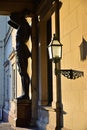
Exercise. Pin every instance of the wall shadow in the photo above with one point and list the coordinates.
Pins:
(83, 50)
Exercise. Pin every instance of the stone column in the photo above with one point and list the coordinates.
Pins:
(43, 85)
(34, 69)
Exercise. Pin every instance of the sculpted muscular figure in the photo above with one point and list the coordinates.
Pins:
(19, 22)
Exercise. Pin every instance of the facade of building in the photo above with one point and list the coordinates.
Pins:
(67, 19)
(3, 31)
(74, 38)
(7, 48)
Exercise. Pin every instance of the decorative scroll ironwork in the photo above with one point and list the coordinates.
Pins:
(69, 73)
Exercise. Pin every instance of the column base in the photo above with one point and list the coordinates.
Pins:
(23, 113)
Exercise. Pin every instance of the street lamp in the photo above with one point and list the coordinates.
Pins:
(55, 54)
(55, 50)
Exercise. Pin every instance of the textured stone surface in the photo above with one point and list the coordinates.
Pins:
(23, 113)
(7, 126)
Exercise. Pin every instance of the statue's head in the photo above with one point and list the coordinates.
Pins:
(17, 18)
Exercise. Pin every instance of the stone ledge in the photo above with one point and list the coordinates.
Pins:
(47, 108)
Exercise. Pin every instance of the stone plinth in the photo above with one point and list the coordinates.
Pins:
(46, 118)
(22, 113)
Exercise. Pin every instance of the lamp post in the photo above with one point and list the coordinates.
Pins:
(55, 54)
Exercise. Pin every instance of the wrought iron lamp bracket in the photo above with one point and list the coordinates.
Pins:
(69, 73)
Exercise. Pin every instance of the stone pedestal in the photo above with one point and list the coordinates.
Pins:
(22, 113)
(46, 118)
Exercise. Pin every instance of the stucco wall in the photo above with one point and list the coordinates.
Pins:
(73, 31)
(3, 29)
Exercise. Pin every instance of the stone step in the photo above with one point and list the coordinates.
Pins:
(7, 126)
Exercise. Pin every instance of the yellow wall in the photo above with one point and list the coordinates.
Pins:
(73, 28)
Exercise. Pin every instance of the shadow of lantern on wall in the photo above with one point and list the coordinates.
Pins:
(83, 50)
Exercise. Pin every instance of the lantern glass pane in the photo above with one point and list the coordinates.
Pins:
(50, 52)
(56, 51)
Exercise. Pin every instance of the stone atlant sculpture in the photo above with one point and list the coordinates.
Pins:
(19, 22)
